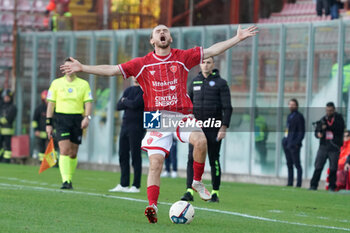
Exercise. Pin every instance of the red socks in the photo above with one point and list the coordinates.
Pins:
(198, 169)
(153, 190)
(152, 194)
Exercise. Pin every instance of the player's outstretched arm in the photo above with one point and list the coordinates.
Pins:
(102, 70)
(221, 47)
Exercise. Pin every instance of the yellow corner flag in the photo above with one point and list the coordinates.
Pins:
(50, 157)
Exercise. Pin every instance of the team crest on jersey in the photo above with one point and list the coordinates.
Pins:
(149, 141)
(173, 68)
(152, 72)
(49, 95)
(70, 90)
(90, 95)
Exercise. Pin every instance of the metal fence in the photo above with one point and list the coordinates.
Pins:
(284, 61)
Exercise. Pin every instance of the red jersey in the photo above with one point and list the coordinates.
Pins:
(164, 79)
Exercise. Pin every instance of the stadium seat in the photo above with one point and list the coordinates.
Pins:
(7, 51)
(20, 146)
(301, 11)
(6, 19)
(24, 5)
(25, 20)
(6, 38)
(39, 22)
(6, 5)
(39, 6)
(297, 9)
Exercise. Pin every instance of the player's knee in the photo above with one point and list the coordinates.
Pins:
(69, 152)
(65, 151)
(156, 165)
(201, 142)
(155, 169)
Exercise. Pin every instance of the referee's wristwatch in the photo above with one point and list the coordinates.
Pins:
(89, 117)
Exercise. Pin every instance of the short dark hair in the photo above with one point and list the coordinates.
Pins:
(151, 35)
(211, 58)
(68, 59)
(295, 101)
(330, 104)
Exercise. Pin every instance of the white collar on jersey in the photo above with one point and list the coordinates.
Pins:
(156, 57)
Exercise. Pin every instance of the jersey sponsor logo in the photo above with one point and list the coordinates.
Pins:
(70, 90)
(164, 83)
(173, 68)
(164, 101)
(152, 72)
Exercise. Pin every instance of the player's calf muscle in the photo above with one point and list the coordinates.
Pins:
(199, 142)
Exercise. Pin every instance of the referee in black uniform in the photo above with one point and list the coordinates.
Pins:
(211, 98)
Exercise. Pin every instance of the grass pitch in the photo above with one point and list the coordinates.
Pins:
(30, 202)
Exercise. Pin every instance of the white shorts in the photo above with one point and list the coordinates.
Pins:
(160, 141)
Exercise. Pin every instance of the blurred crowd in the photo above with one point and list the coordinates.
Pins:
(58, 16)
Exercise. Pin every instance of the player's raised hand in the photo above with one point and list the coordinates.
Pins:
(243, 34)
(71, 67)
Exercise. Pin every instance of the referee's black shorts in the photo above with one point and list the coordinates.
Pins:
(68, 127)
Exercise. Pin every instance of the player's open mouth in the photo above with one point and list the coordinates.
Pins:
(162, 38)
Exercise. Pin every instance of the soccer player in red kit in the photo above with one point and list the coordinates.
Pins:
(162, 75)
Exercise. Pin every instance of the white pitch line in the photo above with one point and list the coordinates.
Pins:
(11, 186)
